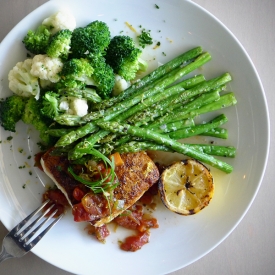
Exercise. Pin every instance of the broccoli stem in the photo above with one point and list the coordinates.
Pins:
(126, 129)
(156, 74)
(88, 93)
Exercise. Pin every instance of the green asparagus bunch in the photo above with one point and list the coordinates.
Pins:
(154, 114)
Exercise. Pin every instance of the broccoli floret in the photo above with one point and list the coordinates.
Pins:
(32, 115)
(124, 57)
(50, 105)
(93, 71)
(11, 111)
(103, 77)
(37, 41)
(78, 69)
(94, 38)
(145, 38)
(67, 83)
(59, 44)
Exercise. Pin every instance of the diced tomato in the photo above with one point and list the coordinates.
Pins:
(80, 214)
(147, 224)
(78, 194)
(130, 218)
(134, 243)
(94, 204)
(102, 233)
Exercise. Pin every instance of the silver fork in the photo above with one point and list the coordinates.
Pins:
(19, 241)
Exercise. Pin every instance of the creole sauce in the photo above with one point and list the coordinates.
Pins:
(133, 218)
(86, 205)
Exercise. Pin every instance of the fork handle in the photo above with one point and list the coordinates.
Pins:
(5, 255)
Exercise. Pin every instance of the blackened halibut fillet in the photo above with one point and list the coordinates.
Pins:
(136, 175)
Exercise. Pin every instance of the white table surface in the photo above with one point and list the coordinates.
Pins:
(250, 249)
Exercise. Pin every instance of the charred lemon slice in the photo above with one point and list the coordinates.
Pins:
(186, 187)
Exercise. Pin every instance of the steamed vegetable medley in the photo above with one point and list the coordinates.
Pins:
(80, 89)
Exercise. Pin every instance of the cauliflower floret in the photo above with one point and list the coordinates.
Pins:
(60, 21)
(120, 85)
(21, 80)
(74, 106)
(46, 68)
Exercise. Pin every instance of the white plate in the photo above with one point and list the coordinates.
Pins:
(179, 25)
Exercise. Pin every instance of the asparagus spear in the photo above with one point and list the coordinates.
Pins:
(182, 90)
(157, 73)
(169, 127)
(185, 109)
(198, 129)
(215, 150)
(216, 132)
(126, 129)
(59, 132)
(224, 101)
(183, 129)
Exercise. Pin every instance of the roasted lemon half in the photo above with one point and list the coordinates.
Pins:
(186, 187)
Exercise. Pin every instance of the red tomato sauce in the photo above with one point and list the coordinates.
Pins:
(134, 243)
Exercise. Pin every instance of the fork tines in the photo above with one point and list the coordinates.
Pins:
(23, 234)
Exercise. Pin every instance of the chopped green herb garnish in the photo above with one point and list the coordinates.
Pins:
(9, 138)
(156, 6)
(145, 38)
(101, 185)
